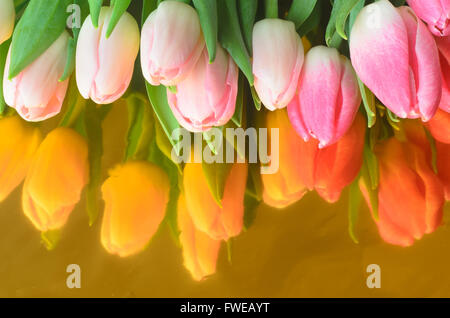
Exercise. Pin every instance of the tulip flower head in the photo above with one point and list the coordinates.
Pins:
(136, 196)
(443, 44)
(278, 56)
(7, 17)
(17, 149)
(207, 96)
(328, 97)
(436, 13)
(443, 167)
(171, 43)
(439, 126)
(36, 93)
(57, 175)
(200, 252)
(104, 66)
(219, 223)
(395, 55)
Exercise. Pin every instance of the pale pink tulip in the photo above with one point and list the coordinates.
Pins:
(395, 55)
(328, 97)
(443, 44)
(207, 96)
(171, 43)
(278, 56)
(7, 17)
(36, 93)
(104, 66)
(436, 13)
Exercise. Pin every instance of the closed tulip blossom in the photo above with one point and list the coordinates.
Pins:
(207, 96)
(104, 66)
(136, 195)
(171, 43)
(443, 44)
(443, 166)
(395, 55)
(278, 56)
(7, 17)
(328, 97)
(439, 126)
(36, 93)
(405, 171)
(436, 13)
(218, 222)
(200, 252)
(56, 178)
(17, 149)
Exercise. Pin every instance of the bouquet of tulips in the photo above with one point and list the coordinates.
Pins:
(349, 93)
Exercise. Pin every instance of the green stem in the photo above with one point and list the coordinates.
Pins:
(272, 9)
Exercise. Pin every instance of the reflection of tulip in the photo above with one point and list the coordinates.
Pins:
(104, 66)
(443, 45)
(443, 166)
(436, 13)
(285, 187)
(395, 55)
(207, 96)
(199, 250)
(56, 177)
(218, 222)
(17, 147)
(325, 112)
(7, 17)
(277, 61)
(36, 92)
(136, 196)
(439, 126)
(406, 172)
(171, 43)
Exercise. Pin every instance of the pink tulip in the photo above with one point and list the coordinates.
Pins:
(443, 44)
(7, 17)
(328, 97)
(104, 66)
(36, 92)
(436, 13)
(395, 55)
(171, 43)
(278, 56)
(207, 96)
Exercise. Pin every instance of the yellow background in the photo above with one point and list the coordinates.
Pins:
(302, 251)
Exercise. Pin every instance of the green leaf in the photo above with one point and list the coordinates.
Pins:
(355, 198)
(335, 31)
(216, 176)
(95, 7)
(237, 116)
(19, 5)
(158, 99)
(313, 21)
(247, 14)
(230, 36)
(41, 24)
(3, 54)
(300, 11)
(119, 8)
(256, 99)
(253, 194)
(74, 105)
(148, 7)
(354, 13)
(207, 12)
(50, 239)
(368, 99)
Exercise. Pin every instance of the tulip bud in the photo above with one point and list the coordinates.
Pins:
(17, 148)
(436, 13)
(277, 61)
(200, 252)
(136, 195)
(325, 112)
(171, 43)
(395, 55)
(443, 44)
(36, 93)
(439, 126)
(443, 167)
(405, 171)
(219, 223)
(7, 17)
(285, 187)
(56, 178)
(207, 96)
(104, 66)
